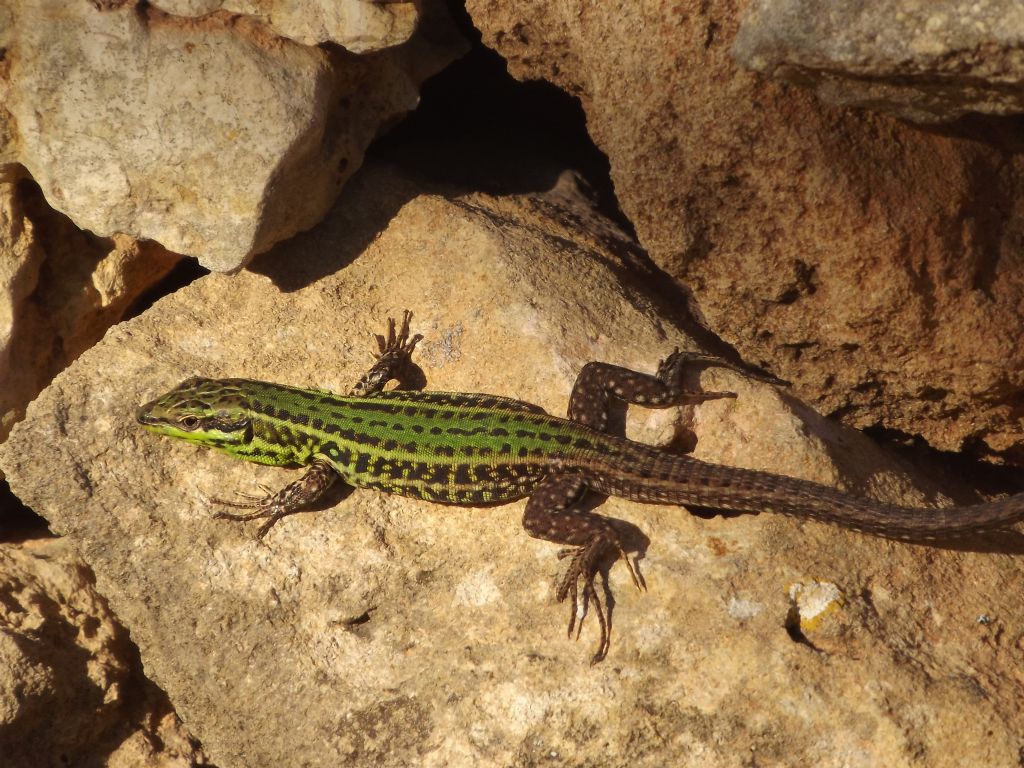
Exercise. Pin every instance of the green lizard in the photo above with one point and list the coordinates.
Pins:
(460, 448)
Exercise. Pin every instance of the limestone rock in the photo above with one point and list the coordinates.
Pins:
(923, 61)
(212, 136)
(392, 632)
(20, 258)
(60, 289)
(875, 265)
(72, 686)
(360, 26)
(8, 150)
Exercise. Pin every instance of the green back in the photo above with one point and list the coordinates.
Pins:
(449, 447)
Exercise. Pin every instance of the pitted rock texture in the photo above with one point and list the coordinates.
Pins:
(391, 632)
(875, 265)
(71, 686)
(930, 62)
(213, 136)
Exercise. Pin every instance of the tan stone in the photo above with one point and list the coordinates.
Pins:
(875, 265)
(20, 258)
(72, 686)
(60, 290)
(357, 25)
(392, 632)
(213, 136)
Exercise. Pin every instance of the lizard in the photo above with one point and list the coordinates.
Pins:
(471, 449)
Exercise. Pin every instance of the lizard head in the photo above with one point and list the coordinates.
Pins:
(206, 411)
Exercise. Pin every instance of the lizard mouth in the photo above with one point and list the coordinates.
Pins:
(148, 416)
(145, 416)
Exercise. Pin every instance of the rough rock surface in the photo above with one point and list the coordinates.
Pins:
(20, 257)
(875, 265)
(60, 289)
(929, 61)
(357, 25)
(72, 687)
(392, 632)
(212, 136)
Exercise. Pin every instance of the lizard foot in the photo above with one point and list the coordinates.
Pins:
(289, 500)
(583, 564)
(394, 353)
(266, 507)
(399, 343)
(671, 368)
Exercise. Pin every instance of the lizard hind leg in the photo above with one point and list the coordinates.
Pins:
(553, 513)
(598, 383)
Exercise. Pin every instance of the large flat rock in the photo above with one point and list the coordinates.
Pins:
(393, 632)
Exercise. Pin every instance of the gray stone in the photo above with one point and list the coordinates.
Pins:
(923, 60)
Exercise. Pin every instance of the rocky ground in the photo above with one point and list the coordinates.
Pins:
(249, 189)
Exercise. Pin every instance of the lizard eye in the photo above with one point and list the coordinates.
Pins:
(189, 422)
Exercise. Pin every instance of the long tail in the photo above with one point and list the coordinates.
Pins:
(669, 479)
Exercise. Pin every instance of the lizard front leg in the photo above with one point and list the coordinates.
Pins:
(289, 500)
(395, 353)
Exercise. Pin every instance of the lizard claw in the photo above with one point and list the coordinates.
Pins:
(262, 506)
(399, 343)
(584, 565)
(272, 513)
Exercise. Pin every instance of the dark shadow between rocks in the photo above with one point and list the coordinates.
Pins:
(18, 522)
(478, 128)
(362, 211)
